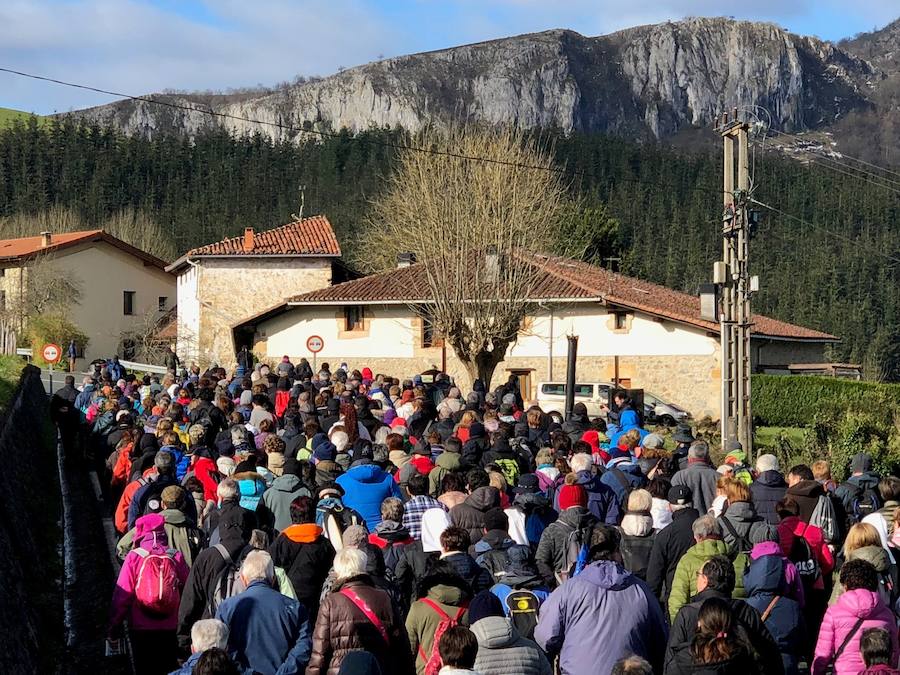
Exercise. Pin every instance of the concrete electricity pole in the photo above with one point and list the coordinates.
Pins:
(733, 277)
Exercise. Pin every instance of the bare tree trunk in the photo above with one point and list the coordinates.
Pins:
(482, 364)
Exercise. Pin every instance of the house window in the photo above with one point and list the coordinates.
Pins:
(353, 318)
(430, 335)
(163, 302)
(621, 320)
(2, 271)
(128, 303)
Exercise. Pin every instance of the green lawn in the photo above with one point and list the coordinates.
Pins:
(10, 371)
(767, 437)
(8, 116)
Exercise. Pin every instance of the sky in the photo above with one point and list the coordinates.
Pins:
(142, 46)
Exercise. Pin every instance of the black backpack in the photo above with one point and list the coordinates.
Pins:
(523, 607)
(804, 559)
(863, 502)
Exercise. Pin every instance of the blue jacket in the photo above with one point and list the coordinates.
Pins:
(83, 400)
(365, 487)
(116, 371)
(763, 580)
(268, 632)
(251, 486)
(601, 498)
(632, 473)
(182, 461)
(602, 615)
(627, 422)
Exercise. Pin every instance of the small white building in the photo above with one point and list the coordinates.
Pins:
(631, 331)
(122, 288)
(224, 283)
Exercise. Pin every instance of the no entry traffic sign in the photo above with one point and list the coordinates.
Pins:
(315, 344)
(51, 353)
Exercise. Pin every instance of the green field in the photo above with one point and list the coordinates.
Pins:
(8, 115)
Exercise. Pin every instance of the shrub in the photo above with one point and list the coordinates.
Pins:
(52, 328)
(801, 401)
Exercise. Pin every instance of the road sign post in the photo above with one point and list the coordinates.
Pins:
(314, 344)
(51, 353)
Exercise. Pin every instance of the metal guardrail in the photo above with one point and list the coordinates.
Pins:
(144, 367)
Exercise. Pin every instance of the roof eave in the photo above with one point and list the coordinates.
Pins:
(415, 301)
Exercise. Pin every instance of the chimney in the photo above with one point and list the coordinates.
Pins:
(248, 239)
(46, 239)
(492, 263)
(405, 259)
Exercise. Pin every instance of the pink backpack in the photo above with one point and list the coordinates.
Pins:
(158, 589)
(434, 663)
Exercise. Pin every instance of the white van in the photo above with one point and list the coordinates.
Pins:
(551, 396)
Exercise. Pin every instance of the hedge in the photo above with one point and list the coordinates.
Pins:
(802, 400)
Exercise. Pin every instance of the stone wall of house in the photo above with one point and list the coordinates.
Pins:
(232, 290)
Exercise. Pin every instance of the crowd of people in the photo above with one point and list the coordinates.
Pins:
(280, 520)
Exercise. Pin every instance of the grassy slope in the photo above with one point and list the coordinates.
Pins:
(8, 115)
(10, 371)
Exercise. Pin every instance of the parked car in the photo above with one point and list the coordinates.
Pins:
(551, 396)
(658, 411)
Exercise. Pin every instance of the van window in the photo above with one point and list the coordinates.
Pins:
(584, 390)
(559, 389)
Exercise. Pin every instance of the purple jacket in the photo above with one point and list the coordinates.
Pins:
(839, 621)
(794, 587)
(599, 617)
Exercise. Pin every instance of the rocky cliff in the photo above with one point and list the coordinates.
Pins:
(649, 81)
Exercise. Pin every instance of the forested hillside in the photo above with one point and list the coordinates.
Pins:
(837, 268)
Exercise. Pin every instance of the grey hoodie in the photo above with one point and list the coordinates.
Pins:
(502, 650)
(276, 501)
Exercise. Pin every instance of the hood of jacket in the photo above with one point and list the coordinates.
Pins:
(806, 488)
(494, 540)
(741, 512)
(765, 548)
(530, 500)
(867, 481)
(367, 473)
(250, 483)
(772, 479)
(484, 498)
(765, 574)
(150, 530)
(874, 555)
(286, 483)
(577, 517)
(434, 522)
(494, 632)
(708, 548)
(391, 530)
(859, 602)
(448, 460)
(449, 595)
(305, 533)
(608, 575)
(628, 420)
(173, 517)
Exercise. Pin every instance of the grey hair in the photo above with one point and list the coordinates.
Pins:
(766, 463)
(707, 527)
(227, 490)
(698, 450)
(350, 562)
(238, 434)
(381, 435)
(632, 665)
(209, 634)
(258, 566)
(580, 462)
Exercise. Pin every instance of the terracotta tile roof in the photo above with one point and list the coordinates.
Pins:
(310, 236)
(24, 248)
(560, 279)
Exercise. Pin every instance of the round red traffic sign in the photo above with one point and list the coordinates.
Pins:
(315, 344)
(51, 353)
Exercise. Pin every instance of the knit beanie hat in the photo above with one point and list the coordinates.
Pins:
(571, 495)
(483, 605)
(325, 452)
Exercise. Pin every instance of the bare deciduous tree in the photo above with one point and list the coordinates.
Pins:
(475, 225)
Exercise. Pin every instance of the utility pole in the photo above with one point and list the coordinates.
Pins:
(733, 275)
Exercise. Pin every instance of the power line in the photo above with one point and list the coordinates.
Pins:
(836, 235)
(330, 134)
(843, 155)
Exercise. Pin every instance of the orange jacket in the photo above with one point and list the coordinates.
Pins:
(122, 469)
(121, 519)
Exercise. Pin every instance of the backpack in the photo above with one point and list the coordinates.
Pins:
(228, 582)
(157, 590)
(575, 554)
(739, 554)
(626, 485)
(522, 607)
(510, 470)
(825, 518)
(804, 559)
(433, 663)
(333, 517)
(863, 502)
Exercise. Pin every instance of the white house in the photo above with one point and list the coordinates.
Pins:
(225, 282)
(123, 289)
(637, 333)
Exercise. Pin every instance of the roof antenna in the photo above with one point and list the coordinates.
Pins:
(299, 216)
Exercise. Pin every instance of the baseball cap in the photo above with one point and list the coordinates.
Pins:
(680, 495)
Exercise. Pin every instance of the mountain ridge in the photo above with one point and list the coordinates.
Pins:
(647, 82)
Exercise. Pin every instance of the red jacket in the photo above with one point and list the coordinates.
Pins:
(206, 472)
(121, 517)
(792, 527)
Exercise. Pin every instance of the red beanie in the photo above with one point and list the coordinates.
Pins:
(571, 495)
